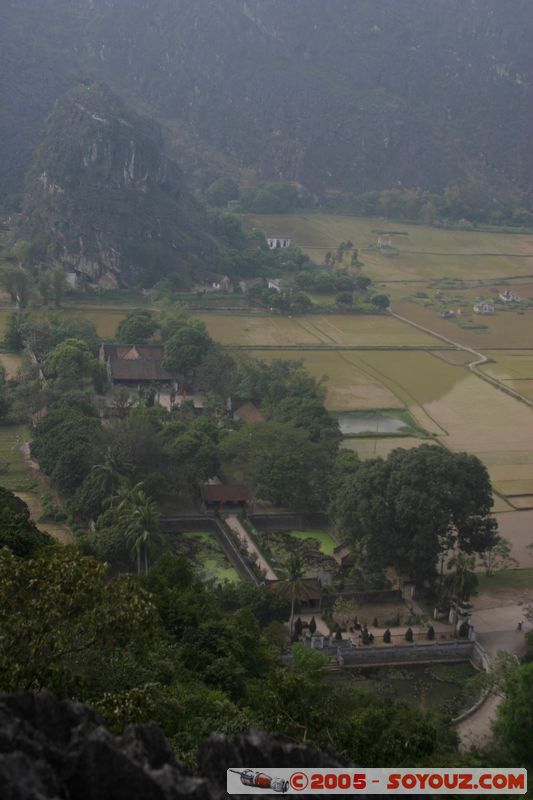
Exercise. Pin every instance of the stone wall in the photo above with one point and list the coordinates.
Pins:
(289, 521)
(366, 656)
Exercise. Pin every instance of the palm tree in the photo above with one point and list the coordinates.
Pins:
(110, 471)
(462, 582)
(142, 528)
(293, 587)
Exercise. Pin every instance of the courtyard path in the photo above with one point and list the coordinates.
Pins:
(244, 537)
(496, 631)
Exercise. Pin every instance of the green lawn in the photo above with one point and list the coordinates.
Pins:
(13, 473)
(327, 544)
(505, 580)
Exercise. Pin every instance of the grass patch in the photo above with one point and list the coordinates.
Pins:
(326, 543)
(13, 472)
(505, 580)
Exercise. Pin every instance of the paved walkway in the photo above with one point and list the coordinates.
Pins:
(496, 632)
(244, 537)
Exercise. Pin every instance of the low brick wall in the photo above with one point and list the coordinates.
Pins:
(289, 521)
(366, 656)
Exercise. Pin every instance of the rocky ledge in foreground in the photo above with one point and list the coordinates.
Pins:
(56, 750)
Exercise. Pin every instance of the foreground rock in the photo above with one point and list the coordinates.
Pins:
(57, 750)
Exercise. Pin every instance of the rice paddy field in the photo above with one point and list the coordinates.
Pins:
(315, 329)
(105, 320)
(426, 253)
(504, 329)
(514, 368)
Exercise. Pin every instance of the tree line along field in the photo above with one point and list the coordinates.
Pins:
(448, 401)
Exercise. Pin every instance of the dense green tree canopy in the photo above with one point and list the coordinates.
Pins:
(137, 327)
(186, 349)
(67, 627)
(71, 359)
(414, 506)
(66, 443)
(515, 718)
(281, 463)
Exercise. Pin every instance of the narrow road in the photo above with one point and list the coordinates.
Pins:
(496, 631)
(244, 537)
(473, 365)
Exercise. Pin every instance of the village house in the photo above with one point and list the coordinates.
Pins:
(213, 282)
(483, 308)
(219, 496)
(278, 242)
(138, 367)
(278, 285)
(509, 297)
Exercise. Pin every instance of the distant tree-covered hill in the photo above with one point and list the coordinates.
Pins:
(350, 95)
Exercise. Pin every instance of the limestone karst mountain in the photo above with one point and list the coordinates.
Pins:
(105, 202)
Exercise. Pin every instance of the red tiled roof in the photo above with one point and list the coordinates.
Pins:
(136, 362)
(220, 493)
(249, 412)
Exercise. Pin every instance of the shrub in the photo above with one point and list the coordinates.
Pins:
(387, 636)
(409, 634)
(431, 632)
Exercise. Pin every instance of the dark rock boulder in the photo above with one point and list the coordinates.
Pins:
(52, 749)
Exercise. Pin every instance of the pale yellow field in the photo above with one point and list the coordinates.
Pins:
(11, 363)
(343, 329)
(351, 329)
(503, 329)
(349, 386)
(510, 364)
(257, 330)
(425, 253)
(105, 321)
(328, 230)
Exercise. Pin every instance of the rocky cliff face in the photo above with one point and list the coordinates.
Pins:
(105, 202)
(56, 750)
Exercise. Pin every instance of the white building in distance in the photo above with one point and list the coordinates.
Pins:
(278, 242)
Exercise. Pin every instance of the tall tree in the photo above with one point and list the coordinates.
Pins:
(415, 506)
(463, 580)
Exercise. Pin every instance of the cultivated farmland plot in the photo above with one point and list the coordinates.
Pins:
(425, 253)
